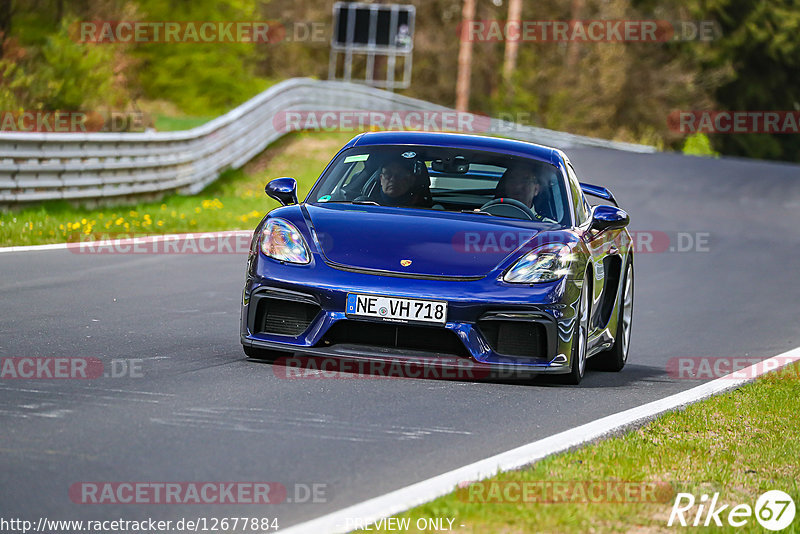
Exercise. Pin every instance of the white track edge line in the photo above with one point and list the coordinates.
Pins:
(369, 511)
(141, 239)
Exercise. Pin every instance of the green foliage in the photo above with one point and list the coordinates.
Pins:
(71, 75)
(759, 45)
(14, 81)
(60, 74)
(200, 78)
(622, 91)
(698, 144)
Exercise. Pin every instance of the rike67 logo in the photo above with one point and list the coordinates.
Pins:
(774, 510)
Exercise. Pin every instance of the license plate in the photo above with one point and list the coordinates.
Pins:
(396, 309)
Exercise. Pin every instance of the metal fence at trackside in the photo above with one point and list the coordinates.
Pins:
(95, 166)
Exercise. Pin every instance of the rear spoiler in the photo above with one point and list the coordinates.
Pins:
(599, 192)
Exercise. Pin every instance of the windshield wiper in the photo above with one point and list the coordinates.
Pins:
(365, 203)
(477, 212)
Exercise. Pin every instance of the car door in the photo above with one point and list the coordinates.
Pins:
(597, 244)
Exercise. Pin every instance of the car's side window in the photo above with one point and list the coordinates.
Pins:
(578, 201)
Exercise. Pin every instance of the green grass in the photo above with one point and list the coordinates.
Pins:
(167, 123)
(236, 201)
(740, 444)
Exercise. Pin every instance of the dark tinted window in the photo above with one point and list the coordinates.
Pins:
(448, 179)
(578, 201)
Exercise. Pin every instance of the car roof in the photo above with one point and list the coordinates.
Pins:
(456, 140)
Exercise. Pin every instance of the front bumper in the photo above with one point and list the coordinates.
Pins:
(475, 307)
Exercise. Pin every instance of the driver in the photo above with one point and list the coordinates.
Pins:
(519, 183)
(399, 185)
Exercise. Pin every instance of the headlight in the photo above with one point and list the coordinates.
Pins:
(544, 264)
(282, 241)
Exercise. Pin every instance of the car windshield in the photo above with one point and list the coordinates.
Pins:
(442, 178)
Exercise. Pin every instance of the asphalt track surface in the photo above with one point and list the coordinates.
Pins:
(202, 412)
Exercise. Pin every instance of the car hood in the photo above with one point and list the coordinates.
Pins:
(436, 243)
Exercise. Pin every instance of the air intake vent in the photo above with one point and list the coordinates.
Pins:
(515, 338)
(284, 317)
(409, 337)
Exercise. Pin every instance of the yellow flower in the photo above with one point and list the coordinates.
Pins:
(183, 215)
(163, 206)
(127, 226)
(60, 226)
(133, 213)
(83, 221)
(161, 223)
(119, 221)
(192, 222)
(174, 213)
(197, 210)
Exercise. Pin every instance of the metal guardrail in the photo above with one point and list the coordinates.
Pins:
(95, 166)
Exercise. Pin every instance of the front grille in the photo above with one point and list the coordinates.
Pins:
(409, 337)
(515, 338)
(284, 317)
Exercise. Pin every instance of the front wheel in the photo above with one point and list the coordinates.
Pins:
(614, 358)
(580, 338)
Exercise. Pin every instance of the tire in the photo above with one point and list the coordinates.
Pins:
(614, 359)
(577, 367)
(263, 354)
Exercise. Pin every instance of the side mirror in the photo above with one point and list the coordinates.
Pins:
(609, 218)
(284, 190)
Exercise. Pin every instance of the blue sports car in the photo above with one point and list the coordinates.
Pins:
(455, 249)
